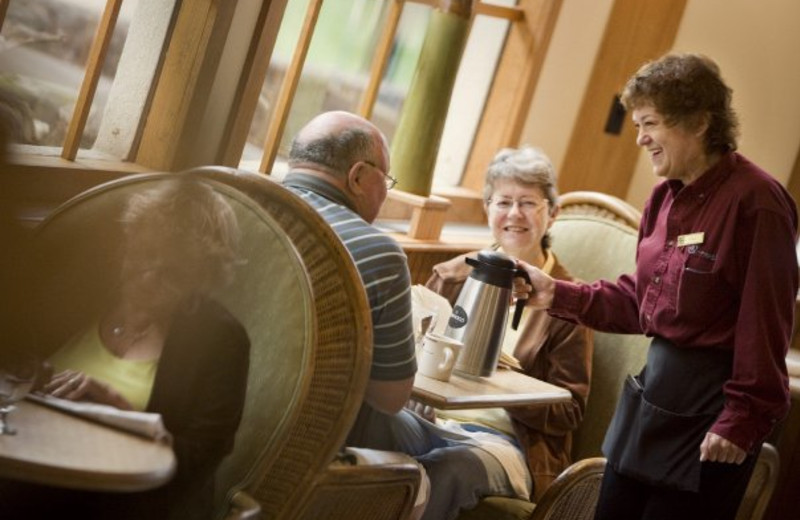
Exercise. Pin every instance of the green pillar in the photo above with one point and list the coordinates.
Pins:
(416, 141)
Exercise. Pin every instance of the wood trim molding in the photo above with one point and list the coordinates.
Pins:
(515, 79)
(635, 32)
(499, 11)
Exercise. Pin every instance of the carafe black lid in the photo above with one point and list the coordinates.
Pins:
(496, 259)
(493, 267)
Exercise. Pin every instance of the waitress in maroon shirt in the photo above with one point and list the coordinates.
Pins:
(715, 284)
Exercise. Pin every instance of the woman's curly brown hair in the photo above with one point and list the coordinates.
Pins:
(684, 88)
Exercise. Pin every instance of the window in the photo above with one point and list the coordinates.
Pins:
(44, 49)
(337, 67)
(338, 70)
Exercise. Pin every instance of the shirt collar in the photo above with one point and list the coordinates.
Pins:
(712, 177)
(319, 186)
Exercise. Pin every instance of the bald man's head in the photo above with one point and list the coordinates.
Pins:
(336, 140)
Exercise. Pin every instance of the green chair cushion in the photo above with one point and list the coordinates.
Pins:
(499, 508)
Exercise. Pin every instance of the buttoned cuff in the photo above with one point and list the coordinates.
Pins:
(747, 432)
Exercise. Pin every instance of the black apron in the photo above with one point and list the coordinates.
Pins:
(665, 412)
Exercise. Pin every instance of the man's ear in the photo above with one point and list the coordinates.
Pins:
(355, 178)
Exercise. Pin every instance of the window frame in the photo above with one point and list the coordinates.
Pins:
(186, 74)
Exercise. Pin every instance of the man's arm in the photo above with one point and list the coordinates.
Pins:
(389, 397)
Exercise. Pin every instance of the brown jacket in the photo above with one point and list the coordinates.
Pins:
(548, 349)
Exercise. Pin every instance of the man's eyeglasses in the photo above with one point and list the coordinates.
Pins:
(391, 182)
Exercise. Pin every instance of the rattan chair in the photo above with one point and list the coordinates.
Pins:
(761, 485)
(573, 495)
(298, 295)
(602, 205)
(305, 480)
(77, 255)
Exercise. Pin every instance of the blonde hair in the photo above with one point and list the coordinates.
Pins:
(181, 239)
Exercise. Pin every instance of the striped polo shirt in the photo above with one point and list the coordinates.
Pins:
(384, 271)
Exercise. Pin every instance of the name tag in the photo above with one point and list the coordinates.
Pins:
(691, 239)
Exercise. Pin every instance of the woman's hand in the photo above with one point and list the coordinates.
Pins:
(539, 292)
(77, 386)
(718, 449)
(423, 410)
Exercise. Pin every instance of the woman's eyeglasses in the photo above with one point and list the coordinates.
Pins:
(524, 205)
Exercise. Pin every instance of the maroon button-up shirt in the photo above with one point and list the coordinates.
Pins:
(716, 267)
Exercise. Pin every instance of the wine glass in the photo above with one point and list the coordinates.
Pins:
(17, 375)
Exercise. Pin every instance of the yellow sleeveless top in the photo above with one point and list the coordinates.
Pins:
(133, 379)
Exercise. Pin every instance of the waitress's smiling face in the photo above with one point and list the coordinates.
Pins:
(676, 152)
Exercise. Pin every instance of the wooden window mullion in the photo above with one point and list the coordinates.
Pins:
(3, 11)
(94, 67)
(381, 58)
(289, 87)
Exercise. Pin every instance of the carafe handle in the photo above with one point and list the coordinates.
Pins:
(520, 305)
(473, 262)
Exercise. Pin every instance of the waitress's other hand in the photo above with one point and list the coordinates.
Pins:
(77, 386)
(718, 449)
(539, 292)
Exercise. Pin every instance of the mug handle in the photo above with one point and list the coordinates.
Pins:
(449, 359)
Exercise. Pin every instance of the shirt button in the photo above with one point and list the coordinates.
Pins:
(669, 243)
(648, 317)
(657, 280)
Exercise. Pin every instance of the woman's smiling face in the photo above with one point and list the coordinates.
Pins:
(675, 151)
(519, 216)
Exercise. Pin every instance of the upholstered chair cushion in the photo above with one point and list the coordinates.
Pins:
(596, 248)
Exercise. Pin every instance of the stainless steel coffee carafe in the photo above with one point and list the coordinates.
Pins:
(481, 310)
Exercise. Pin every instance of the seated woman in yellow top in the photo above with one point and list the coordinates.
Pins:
(165, 345)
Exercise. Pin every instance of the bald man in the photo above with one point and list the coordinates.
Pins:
(339, 164)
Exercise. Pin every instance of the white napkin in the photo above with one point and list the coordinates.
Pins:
(431, 311)
(148, 425)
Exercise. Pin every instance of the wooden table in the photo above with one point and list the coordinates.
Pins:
(504, 388)
(55, 448)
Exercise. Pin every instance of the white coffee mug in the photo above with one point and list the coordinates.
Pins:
(438, 356)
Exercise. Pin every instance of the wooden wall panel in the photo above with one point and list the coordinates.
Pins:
(636, 32)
